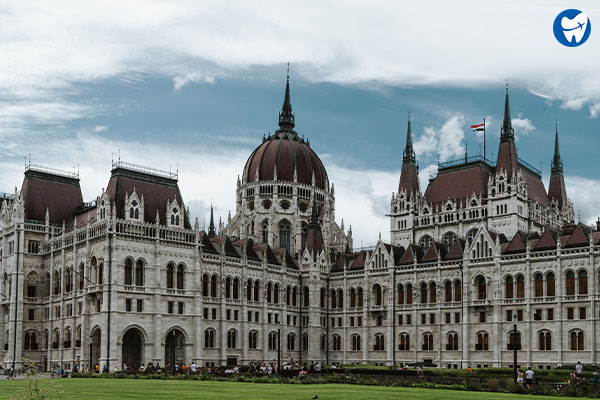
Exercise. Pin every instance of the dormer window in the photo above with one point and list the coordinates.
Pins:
(175, 217)
(134, 211)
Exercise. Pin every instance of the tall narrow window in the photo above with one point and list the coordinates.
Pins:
(139, 273)
(284, 235)
(582, 280)
(570, 283)
(170, 273)
(180, 272)
(509, 287)
(520, 287)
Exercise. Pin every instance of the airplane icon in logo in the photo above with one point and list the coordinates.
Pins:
(581, 25)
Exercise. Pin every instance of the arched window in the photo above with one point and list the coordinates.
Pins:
(128, 271)
(323, 296)
(306, 297)
(352, 297)
(205, 284)
(265, 233)
(257, 291)
(213, 286)
(67, 343)
(520, 287)
(447, 291)
(423, 294)
(236, 288)
(425, 243)
(379, 342)
(81, 276)
(273, 341)
(323, 342)
(228, 287)
(428, 342)
(359, 294)
(252, 340)
(276, 293)
(101, 274)
(452, 341)
(45, 339)
(509, 287)
(337, 342)
(432, 293)
(577, 340)
(284, 235)
(482, 341)
(512, 341)
(550, 284)
(377, 294)
(291, 342)
(404, 342)
(340, 294)
(333, 299)
(305, 341)
(55, 339)
(269, 292)
(457, 290)
(582, 281)
(68, 280)
(249, 289)
(545, 340)
(180, 273)
(355, 342)
(539, 285)
(304, 235)
(570, 283)
(209, 339)
(409, 294)
(139, 273)
(481, 288)
(56, 283)
(295, 296)
(231, 339)
(170, 275)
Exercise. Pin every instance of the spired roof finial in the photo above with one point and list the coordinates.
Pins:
(507, 129)
(557, 165)
(409, 153)
(211, 227)
(286, 117)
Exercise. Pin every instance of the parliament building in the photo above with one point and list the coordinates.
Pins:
(129, 278)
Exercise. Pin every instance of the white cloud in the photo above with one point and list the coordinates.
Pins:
(429, 171)
(446, 141)
(191, 77)
(522, 126)
(584, 194)
(574, 104)
(100, 128)
(594, 110)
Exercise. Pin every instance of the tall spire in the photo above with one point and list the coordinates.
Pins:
(409, 153)
(211, 227)
(557, 165)
(314, 235)
(286, 117)
(507, 130)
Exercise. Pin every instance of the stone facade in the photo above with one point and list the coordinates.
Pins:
(127, 279)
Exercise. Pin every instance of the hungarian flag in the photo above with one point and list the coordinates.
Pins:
(478, 128)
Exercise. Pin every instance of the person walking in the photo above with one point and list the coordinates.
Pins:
(529, 377)
(520, 376)
(579, 371)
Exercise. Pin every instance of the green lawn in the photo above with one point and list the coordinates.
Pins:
(169, 389)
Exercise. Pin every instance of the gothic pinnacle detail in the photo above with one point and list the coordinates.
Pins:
(211, 227)
(286, 116)
(508, 133)
(409, 153)
(557, 165)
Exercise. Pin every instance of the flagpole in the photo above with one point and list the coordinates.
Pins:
(484, 153)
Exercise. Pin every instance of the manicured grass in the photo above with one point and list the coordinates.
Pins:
(171, 389)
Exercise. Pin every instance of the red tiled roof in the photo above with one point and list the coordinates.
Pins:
(517, 244)
(285, 256)
(409, 179)
(579, 237)
(285, 150)
(535, 188)
(156, 191)
(60, 195)
(507, 158)
(557, 189)
(412, 252)
(458, 183)
(431, 255)
(546, 242)
(230, 249)
(314, 240)
(359, 261)
(269, 253)
(207, 245)
(457, 250)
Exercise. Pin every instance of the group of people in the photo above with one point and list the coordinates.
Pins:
(576, 377)
(177, 368)
(528, 375)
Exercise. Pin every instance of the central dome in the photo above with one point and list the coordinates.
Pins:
(284, 152)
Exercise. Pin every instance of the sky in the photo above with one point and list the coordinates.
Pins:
(193, 87)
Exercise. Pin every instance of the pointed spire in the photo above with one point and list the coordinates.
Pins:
(286, 117)
(557, 165)
(507, 130)
(211, 227)
(409, 153)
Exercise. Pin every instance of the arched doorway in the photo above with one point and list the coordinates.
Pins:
(95, 347)
(175, 347)
(132, 347)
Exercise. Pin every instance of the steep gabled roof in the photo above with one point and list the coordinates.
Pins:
(269, 253)
(359, 261)
(285, 256)
(61, 195)
(579, 237)
(517, 244)
(546, 242)
(411, 254)
(458, 183)
(230, 249)
(207, 245)
(457, 250)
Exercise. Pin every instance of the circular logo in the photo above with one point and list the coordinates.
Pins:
(572, 28)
